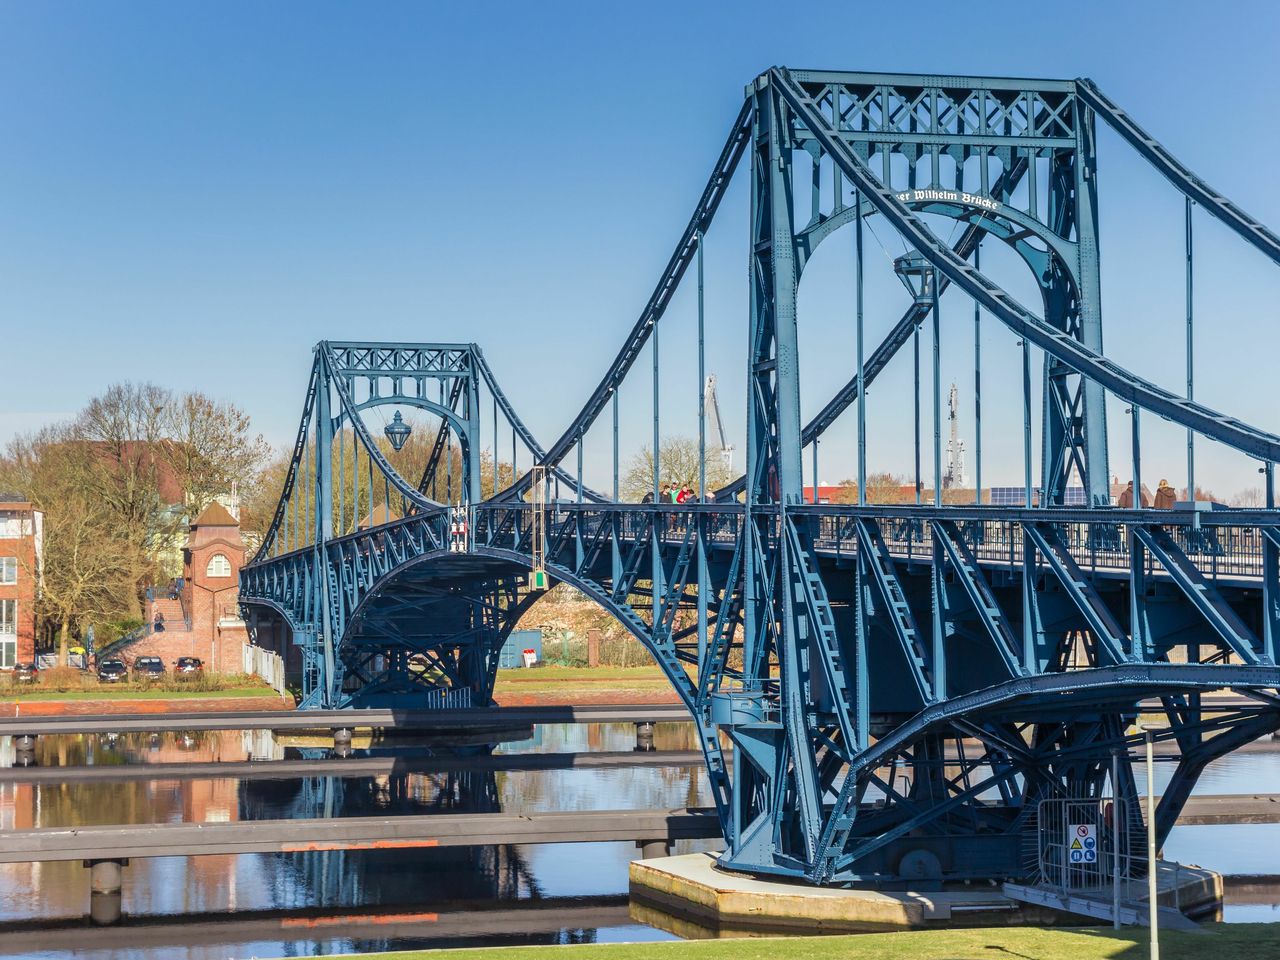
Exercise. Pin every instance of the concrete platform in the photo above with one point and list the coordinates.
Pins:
(686, 895)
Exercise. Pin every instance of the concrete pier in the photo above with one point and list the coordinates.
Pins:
(24, 750)
(688, 896)
(342, 742)
(644, 736)
(105, 882)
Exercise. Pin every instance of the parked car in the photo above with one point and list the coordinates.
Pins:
(147, 669)
(25, 673)
(188, 668)
(113, 670)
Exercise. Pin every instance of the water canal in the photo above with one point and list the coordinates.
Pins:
(553, 893)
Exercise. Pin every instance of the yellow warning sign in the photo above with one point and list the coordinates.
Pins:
(1075, 844)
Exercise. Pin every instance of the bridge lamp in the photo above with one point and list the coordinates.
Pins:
(918, 276)
(397, 431)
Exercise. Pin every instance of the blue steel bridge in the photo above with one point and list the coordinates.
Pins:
(901, 685)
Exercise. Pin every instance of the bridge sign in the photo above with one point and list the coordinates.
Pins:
(1082, 842)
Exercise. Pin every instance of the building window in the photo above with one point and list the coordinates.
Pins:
(8, 633)
(219, 566)
(8, 569)
(14, 525)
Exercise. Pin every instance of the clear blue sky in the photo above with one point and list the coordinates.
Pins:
(194, 193)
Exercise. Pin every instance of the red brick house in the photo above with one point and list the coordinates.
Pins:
(204, 620)
(21, 534)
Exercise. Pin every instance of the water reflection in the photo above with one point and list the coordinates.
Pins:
(447, 883)
(338, 879)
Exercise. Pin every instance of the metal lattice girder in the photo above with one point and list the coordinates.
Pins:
(979, 593)
(875, 559)
(1105, 629)
(1201, 592)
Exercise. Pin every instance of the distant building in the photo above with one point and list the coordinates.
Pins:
(202, 619)
(21, 553)
(827, 493)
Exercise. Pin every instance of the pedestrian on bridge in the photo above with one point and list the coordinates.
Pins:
(1165, 496)
(1126, 498)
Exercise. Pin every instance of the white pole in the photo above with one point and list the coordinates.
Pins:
(1153, 886)
(1115, 839)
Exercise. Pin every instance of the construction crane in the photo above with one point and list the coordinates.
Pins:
(955, 474)
(714, 422)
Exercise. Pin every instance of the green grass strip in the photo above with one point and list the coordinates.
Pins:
(1256, 941)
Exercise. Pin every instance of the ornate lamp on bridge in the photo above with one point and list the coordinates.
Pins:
(917, 275)
(397, 431)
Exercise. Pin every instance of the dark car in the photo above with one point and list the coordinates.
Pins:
(189, 668)
(148, 668)
(25, 673)
(113, 671)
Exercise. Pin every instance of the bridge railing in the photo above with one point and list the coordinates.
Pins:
(1223, 544)
(1222, 547)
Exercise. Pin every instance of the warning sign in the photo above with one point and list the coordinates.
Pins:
(1082, 843)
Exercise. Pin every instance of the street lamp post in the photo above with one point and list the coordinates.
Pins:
(1153, 886)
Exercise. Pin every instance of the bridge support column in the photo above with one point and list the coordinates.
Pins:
(105, 882)
(644, 737)
(25, 747)
(652, 849)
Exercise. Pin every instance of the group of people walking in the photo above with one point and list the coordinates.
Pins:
(672, 493)
(1165, 497)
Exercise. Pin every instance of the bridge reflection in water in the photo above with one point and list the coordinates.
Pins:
(382, 893)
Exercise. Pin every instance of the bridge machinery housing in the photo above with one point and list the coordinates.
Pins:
(901, 685)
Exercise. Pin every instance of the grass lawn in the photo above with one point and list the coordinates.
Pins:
(568, 683)
(1257, 941)
(116, 693)
(573, 674)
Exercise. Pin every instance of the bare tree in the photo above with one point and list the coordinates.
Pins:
(117, 485)
(120, 436)
(210, 447)
(888, 488)
(86, 571)
(678, 464)
(1251, 497)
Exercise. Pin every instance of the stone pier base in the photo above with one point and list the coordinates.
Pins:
(688, 896)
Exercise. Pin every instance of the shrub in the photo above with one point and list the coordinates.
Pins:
(65, 678)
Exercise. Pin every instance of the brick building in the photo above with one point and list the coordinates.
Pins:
(203, 620)
(21, 548)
